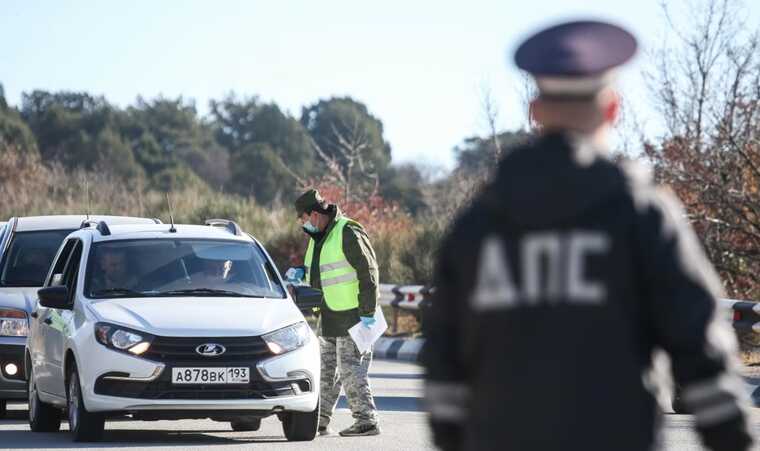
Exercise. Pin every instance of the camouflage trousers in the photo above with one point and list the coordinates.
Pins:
(343, 366)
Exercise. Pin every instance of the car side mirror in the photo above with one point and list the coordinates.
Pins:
(55, 297)
(307, 298)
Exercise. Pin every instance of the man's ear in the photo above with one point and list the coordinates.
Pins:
(534, 111)
(611, 109)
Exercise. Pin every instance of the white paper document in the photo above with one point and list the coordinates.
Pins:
(365, 337)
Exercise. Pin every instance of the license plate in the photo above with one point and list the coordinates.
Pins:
(235, 375)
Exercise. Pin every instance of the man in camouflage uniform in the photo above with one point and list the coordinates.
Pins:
(340, 261)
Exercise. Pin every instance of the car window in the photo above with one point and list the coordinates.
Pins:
(176, 267)
(56, 274)
(29, 257)
(72, 269)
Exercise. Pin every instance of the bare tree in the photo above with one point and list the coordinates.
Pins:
(490, 113)
(527, 91)
(707, 88)
(347, 162)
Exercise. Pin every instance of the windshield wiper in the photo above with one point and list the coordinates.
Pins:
(121, 292)
(209, 291)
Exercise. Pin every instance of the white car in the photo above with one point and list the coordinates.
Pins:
(165, 322)
(27, 247)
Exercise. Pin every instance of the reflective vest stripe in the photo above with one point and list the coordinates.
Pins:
(333, 266)
(350, 277)
(447, 401)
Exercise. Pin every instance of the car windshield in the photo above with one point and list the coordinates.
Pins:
(179, 267)
(29, 257)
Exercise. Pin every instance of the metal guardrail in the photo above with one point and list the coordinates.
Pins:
(744, 315)
(411, 298)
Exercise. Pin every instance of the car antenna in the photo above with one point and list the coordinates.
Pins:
(172, 229)
(87, 196)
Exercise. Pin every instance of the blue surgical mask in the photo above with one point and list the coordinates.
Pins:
(310, 228)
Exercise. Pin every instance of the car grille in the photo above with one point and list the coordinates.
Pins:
(173, 350)
(162, 388)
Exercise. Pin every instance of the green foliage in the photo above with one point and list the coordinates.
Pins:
(388, 251)
(256, 171)
(270, 151)
(403, 184)
(176, 178)
(478, 155)
(172, 143)
(421, 253)
(14, 133)
(345, 131)
(79, 131)
(247, 162)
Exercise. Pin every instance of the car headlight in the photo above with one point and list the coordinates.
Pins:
(122, 339)
(287, 339)
(13, 323)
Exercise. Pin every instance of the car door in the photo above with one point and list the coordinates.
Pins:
(60, 326)
(47, 345)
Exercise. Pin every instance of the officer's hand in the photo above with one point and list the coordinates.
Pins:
(367, 321)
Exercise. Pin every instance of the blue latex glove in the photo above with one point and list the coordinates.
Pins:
(368, 321)
(295, 275)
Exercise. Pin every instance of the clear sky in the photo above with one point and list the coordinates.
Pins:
(418, 65)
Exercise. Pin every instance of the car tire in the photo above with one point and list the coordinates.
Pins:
(84, 426)
(42, 416)
(676, 402)
(246, 425)
(3, 409)
(678, 406)
(300, 426)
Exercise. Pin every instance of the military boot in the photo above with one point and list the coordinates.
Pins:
(360, 430)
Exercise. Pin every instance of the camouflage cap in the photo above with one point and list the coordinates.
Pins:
(308, 201)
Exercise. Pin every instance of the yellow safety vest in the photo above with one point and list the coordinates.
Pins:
(338, 279)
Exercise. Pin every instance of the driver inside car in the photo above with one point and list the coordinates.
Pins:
(114, 273)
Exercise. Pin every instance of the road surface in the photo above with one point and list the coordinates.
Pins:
(397, 387)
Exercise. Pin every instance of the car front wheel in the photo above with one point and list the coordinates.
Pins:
(85, 426)
(42, 417)
(301, 426)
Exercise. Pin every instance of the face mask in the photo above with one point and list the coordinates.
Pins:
(309, 228)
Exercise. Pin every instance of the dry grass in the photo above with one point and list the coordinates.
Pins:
(401, 323)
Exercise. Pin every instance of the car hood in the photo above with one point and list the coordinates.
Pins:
(19, 298)
(199, 316)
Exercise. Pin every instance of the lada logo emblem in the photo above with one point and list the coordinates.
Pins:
(210, 349)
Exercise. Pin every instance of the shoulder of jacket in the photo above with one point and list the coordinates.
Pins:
(646, 194)
(354, 229)
(353, 225)
(636, 174)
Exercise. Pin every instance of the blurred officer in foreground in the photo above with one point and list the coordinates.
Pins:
(556, 285)
(340, 261)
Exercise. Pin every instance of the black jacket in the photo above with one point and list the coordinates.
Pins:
(553, 289)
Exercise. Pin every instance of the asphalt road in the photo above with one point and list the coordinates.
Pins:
(397, 388)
